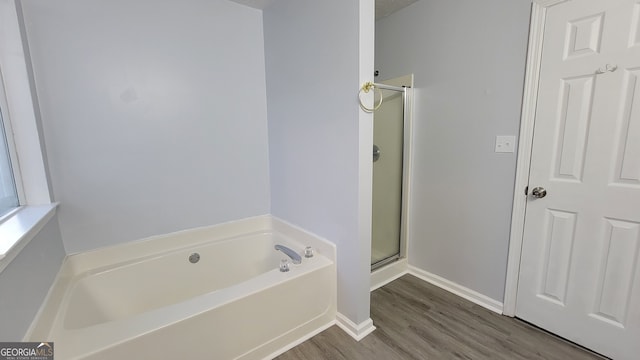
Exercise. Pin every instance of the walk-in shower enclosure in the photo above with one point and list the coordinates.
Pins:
(390, 171)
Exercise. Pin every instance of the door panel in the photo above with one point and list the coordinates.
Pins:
(559, 233)
(388, 135)
(573, 122)
(616, 271)
(579, 274)
(627, 170)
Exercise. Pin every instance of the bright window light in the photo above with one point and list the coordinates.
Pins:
(8, 193)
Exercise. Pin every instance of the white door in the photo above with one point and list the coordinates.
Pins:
(580, 273)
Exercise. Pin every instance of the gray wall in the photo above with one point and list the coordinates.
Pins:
(468, 58)
(312, 61)
(24, 283)
(154, 114)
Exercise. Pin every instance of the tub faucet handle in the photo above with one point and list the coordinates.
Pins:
(308, 252)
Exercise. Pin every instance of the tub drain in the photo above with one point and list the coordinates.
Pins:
(194, 258)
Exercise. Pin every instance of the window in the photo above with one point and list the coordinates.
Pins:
(25, 202)
(8, 192)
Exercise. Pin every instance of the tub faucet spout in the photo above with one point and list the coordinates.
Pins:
(295, 257)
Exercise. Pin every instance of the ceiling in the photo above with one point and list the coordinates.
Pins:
(383, 7)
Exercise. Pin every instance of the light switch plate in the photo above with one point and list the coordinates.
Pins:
(505, 144)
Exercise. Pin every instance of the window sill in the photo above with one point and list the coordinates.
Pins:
(20, 227)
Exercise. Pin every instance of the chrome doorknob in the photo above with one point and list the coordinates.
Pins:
(539, 192)
(376, 153)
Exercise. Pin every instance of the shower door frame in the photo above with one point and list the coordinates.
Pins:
(406, 91)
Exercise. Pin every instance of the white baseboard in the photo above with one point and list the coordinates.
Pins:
(356, 331)
(386, 274)
(299, 341)
(457, 289)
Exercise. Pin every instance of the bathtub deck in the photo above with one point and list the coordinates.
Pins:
(416, 320)
(122, 300)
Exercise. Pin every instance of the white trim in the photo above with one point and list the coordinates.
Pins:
(407, 171)
(20, 228)
(295, 343)
(386, 274)
(525, 144)
(29, 170)
(457, 289)
(356, 301)
(356, 331)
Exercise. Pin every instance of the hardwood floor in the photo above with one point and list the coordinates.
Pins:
(416, 320)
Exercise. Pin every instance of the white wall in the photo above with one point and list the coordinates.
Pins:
(312, 58)
(468, 58)
(25, 282)
(154, 114)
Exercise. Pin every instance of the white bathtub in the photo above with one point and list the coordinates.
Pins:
(147, 300)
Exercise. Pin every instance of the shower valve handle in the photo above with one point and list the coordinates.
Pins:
(376, 153)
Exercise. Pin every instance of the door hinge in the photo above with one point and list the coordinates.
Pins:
(526, 190)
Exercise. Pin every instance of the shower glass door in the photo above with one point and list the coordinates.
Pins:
(388, 139)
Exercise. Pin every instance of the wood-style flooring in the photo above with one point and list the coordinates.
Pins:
(416, 320)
